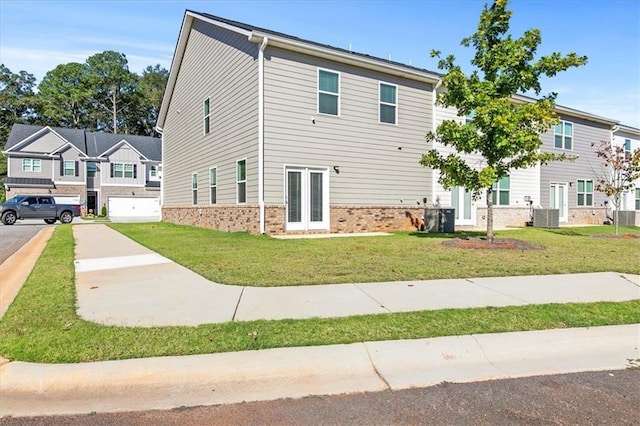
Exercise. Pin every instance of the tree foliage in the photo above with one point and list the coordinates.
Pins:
(501, 130)
(65, 97)
(621, 171)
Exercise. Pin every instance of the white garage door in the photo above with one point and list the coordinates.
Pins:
(67, 199)
(134, 207)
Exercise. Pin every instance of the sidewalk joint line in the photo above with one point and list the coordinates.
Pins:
(628, 280)
(484, 354)
(372, 298)
(235, 311)
(528, 302)
(373, 365)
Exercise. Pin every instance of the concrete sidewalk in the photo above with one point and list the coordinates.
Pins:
(120, 282)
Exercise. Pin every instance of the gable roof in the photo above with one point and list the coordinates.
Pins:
(259, 35)
(91, 144)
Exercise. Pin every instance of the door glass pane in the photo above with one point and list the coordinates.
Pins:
(455, 202)
(467, 205)
(294, 197)
(561, 200)
(552, 193)
(315, 187)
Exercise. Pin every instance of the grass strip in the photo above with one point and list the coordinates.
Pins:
(42, 326)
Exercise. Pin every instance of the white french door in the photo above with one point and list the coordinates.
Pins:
(462, 202)
(307, 198)
(558, 195)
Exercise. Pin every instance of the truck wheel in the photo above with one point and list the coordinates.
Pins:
(66, 217)
(50, 221)
(9, 218)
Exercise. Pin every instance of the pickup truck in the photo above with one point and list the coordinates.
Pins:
(37, 207)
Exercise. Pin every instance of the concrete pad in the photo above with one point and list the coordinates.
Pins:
(163, 383)
(98, 241)
(569, 288)
(320, 301)
(154, 295)
(410, 296)
(562, 350)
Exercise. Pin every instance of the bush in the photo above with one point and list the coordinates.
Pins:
(103, 210)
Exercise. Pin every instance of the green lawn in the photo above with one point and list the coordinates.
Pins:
(41, 324)
(243, 259)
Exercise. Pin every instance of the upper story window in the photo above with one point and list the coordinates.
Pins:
(585, 192)
(627, 148)
(92, 169)
(31, 165)
(328, 92)
(500, 194)
(213, 185)
(124, 170)
(637, 198)
(388, 103)
(206, 111)
(69, 168)
(563, 135)
(153, 171)
(241, 181)
(194, 188)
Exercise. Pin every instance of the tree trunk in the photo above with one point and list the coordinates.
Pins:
(114, 112)
(490, 215)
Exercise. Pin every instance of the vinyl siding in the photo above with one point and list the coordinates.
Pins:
(46, 143)
(586, 166)
(68, 154)
(124, 155)
(373, 171)
(628, 198)
(14, 168)
(221, 65)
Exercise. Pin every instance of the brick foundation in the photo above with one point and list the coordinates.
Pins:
(587, 216)
(229, 218)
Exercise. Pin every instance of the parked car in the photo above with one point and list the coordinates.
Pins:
(37, 207)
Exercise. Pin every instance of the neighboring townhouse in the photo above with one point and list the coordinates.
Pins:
(120, 172)
(629, 138)
(268, 133)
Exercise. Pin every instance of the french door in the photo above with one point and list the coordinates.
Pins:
(461, 201)
(558, 195)
(307, 198)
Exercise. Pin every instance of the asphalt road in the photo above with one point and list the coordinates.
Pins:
(15, 236)
(594, 398)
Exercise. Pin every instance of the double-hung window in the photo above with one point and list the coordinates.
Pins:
(213, 185)
(153, 171)
(194, 189)
(128, 170)
(563, 135)
(31, 165)
(388, 103)
(627, 148)
(206, 111)
(118, 170)
(328, 92)
(124, 170)
(69, 168)
(585, 192)
(500, 194)
(241, 181)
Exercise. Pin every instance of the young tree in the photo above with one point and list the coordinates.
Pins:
(65, 97)
(621, 171)
(505, 133)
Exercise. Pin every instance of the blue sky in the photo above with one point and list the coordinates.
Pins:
(37, 35)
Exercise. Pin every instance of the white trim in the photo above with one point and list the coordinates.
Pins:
(381, 102)
(241, 181)
(211, 186)
(305, 223)
(117, 146)
(585, 193)
(562, 123)
(318, 92)
(71, 183)
(194, 189)
(206, 116)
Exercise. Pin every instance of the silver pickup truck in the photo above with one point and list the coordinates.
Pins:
(37, 207)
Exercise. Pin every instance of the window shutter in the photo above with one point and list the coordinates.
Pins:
(77, 169)
(61, 166)
(135, 171)
(111, 169)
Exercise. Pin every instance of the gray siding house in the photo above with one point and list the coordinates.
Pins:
(268, 133)
(120, 172)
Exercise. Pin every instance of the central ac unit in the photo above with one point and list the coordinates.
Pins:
(546, 218)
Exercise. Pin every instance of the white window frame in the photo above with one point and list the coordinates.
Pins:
(637, 200)
(497, 190)
(241, 181)
(115, 170)
(32, 165)
(584, 193)
(563, 124)
(194, 189)
(153, 171)
(306, 224)
(67, 169)
(128, 170)
(337, 95)
(627, 148)
(206, 116)
(381, 103)
(213, 186)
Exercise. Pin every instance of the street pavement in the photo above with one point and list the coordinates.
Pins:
(119, 282)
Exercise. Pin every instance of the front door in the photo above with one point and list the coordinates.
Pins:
(461, 201)
(307, 199)
(558, 195)
(91, 203)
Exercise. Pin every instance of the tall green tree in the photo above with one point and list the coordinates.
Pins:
(113, 88)
(506, 134)
(148, 99)
(65, 97)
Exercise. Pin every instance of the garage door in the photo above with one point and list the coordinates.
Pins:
(67, 199)
(134, 207)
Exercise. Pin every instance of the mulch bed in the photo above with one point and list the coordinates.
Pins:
(498, 244)
(618, 237)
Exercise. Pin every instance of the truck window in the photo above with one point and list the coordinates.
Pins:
(44, 200)
(31, 200)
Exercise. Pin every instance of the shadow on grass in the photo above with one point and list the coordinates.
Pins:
(444, 235)
(566, 232)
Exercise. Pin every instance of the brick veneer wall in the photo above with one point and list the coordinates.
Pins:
(344, 219)
(587, 216)
(503, 217)
(78, 190)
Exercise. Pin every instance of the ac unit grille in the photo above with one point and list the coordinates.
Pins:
(546, 218)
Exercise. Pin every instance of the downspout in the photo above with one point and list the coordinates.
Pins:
(159, 130)
(263, 46)
(434, 126)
